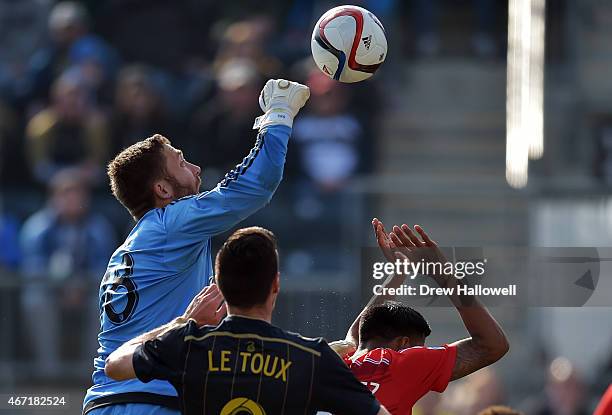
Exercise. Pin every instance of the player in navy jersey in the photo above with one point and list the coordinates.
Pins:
(244, 365)
(166, 260)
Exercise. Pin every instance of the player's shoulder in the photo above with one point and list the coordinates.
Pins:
(378, 356)
(309, 345)
(299, 344)
(191, 331)
(185, 200)
(420, 350)
(252, 328)
(310, 341)
(156, 214)
(387, 356)
(422, 353)
(152, 219)
(180, 209)
(163, 218)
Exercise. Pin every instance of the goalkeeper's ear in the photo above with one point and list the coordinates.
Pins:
(281, 100)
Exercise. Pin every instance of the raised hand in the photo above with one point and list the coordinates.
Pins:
(281, 100)
(208, 307)
(413, 247)
(385, 244)
(406, 243)
(343, 347)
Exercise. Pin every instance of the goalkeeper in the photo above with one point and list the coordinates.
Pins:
(166, 260)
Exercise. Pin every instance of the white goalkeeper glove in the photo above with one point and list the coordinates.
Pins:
(280, 100)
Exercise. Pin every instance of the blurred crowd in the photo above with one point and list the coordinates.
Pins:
(564, 391)
(79, 81)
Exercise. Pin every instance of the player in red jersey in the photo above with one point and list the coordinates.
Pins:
(605, 404)
(390, 356)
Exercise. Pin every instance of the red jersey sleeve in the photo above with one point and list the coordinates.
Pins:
(428, 367)
(605, 405)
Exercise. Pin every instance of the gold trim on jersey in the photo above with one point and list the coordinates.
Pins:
(252, 336)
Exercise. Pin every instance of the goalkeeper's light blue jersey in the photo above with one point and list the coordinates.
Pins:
(166, 260)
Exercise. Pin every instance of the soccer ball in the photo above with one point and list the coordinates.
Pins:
(348, 43)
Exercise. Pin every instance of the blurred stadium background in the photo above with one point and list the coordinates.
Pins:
(424, 141)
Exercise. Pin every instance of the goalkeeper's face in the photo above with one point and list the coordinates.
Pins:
(183, 176)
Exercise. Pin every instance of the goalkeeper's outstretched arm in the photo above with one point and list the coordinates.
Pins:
(251, 184)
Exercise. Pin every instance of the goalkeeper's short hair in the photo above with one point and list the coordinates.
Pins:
(133, 172)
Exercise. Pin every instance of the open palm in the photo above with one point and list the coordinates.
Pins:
(403, 243)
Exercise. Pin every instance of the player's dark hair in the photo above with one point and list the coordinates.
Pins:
(246, 266)
(390, 320)
(133, 172)
(499, 410)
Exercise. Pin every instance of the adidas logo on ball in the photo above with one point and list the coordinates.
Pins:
(367, 41)
(336, 43)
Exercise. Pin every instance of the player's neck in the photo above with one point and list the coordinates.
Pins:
(256, 313)
(162, 203)
(371, 345)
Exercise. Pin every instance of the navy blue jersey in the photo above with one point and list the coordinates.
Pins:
(166, 260)
(250, 366)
